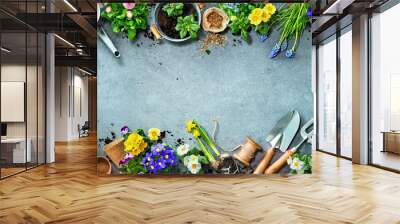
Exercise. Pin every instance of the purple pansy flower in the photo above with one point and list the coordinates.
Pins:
(124, 130)
(126, 159)
(129, 5)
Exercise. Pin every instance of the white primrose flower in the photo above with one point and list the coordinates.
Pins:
(194, 167)
(182, 150)
(190, 159)
(297, 165)
(108, 9)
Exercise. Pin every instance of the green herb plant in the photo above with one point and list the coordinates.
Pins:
(238, 15)
(127, 22)
(187, 25)
(173, 9)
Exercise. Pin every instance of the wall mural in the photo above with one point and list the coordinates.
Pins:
(204, 88)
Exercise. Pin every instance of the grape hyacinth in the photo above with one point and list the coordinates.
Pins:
(275, 51)
(264, 37)
(309, 12)
(159, 158)
(290, 53)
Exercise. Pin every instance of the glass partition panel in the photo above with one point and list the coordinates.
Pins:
(41, 99)
(385, 89)
(327, 96)
(31, 100)
(346, 93)
(14, 153)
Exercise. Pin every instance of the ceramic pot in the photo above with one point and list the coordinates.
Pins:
(157, 12)
(247, 151)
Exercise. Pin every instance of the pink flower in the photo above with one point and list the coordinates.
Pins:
(129, 5)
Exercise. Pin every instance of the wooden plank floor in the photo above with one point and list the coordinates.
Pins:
(69, 191)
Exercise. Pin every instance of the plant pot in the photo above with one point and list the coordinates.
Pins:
(247, 151)
(103, 166)
(115, 151)
(213, 14)
(166, 25)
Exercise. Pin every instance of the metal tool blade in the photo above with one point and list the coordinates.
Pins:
(290, 131)
(275, 135)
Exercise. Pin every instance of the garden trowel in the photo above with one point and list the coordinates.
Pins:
(305, 135)
(279, 137)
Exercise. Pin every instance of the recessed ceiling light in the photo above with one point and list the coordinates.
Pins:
(84, 71)
(70, 5)
(5, 50)
(64, 40)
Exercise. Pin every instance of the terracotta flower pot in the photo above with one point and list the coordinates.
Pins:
(247, 151)
(115, 151)
(103, 166)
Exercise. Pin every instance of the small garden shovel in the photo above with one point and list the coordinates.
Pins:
(280, 137)
(278, 164)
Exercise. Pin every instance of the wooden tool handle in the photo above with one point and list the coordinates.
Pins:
(278, 164)
(265, 161)
(155, 31)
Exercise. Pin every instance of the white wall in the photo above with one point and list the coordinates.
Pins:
(70, 83)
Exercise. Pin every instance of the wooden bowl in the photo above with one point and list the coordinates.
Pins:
(207, 25)
(103, 166)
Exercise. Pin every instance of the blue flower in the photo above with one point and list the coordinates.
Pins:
(157, 149)
(160, 157)
(309, 12)
(263, 37)
(290, 53)
(275, 51)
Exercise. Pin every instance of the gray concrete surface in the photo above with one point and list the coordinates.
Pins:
(166, 84)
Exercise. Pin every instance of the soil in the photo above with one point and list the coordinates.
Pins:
(167, 24)
(215, 20)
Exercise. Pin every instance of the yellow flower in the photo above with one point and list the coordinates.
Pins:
(265, 16)
(270, 9)
(196, 133)
(255, 16)
(135, 144)
(154, 133)
(190, 125)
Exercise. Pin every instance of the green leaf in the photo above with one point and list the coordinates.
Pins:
(116, 29)
(131, 34)
(203, 160)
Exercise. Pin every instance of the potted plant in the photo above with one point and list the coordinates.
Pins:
(177, 22)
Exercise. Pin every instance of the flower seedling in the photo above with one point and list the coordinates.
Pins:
(126, 18)
(187, 25)
(173, 9)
